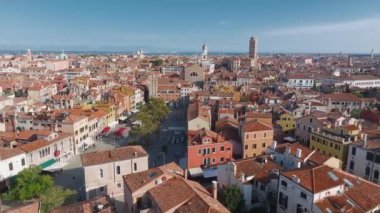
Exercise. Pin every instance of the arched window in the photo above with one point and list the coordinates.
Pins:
(352, 164)
(367, 171)
(193, 74)
(118, 170)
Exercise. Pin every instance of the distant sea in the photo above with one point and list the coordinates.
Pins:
(18, 52)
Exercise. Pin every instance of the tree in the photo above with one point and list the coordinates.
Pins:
(56, 197)
(355, 113)
(158, 62)
(232, 199)
(150, 116)
(29, 184)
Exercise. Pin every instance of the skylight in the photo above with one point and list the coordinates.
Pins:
(332, 176)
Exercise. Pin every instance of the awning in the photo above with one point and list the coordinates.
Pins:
(210, 172)
(106, 129)
(55, 167)
(123, 118)
(196, 172)
(47, 163)
(120, 131)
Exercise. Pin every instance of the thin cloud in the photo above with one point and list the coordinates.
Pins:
(224, 22)
(360, 26)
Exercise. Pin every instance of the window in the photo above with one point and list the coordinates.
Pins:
(213, 160)
(367, 171)
(369, 156)
(303, 195)
(10, 166)
(352, 165)
(101, 173)
(134, 166)
(284, 184)
(246, 147)
(298, 126)
(263, 145)
(213, 150)
(265, 134)
(377, 159)
(262, 187)
(253, 146)
(283, 201)
(311, 120)
(23, 162)
(376, 175)
(222, 148)
(118, 185)
(221, 159)
(193, 74)
(118, 170)
(353, 151)
(199, 151)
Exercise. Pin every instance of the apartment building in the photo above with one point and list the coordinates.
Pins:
(324, 189)
(364, 157)
(295, 155)
(103, 170)
(206, 148)
(287, 122)
(332, 142)
(12, 161)
(48, 148)
(198, 116)
(255, 136)
(300, 81)
(256, 177)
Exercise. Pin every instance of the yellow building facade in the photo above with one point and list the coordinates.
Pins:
(287, 122)
(329, 142)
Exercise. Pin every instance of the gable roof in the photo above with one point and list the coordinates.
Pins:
(107, 156)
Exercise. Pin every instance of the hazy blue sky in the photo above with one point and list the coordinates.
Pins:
(178, 25)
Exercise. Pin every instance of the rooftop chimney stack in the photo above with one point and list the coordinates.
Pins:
(274, 144)
(298, 153)
(185, 173)
(242, 177)
(215, 189)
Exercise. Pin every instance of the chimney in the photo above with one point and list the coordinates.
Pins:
(215, 189)
(287, 149)
(298, 153)
(274, 144)
(298, 164)
(242, 176)
(185, 173)
(135, 154)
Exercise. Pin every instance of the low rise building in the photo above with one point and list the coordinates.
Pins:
(295, 155)
(324, 189)
(364, 157)
(103, 170)
(257, 179)
(166, 189)
(300, 81)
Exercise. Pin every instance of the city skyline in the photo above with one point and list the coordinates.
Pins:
(291, 26)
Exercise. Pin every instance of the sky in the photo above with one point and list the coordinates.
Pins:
(313, 26)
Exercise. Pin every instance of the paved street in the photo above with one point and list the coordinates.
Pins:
(172, 137)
